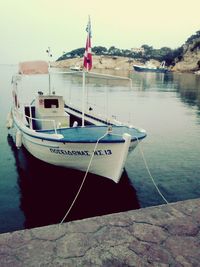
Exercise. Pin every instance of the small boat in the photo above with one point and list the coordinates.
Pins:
(149, 67)
(76, 68)
(68, 136)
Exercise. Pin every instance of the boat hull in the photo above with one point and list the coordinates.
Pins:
(146, 69)
(108, 159)
(101, 150)
(104, 156)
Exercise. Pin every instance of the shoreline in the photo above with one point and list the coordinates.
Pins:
(114, 63)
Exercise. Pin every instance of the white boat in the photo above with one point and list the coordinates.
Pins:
(76, 68)
(149, 67)
(67, 136)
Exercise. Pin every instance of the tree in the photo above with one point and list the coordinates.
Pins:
(99, 50)
(192, 37)
(111, 50)
(147, 48)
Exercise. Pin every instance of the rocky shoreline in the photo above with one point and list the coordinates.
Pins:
(188, 64)
(190, 60)
(99, 62)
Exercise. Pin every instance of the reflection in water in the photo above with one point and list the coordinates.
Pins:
(97, 78)
(187, 85)
(148, 80)
(189, 88)
(47, 192)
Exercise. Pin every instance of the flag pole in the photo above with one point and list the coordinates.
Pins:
(87, 64)
(83, 100)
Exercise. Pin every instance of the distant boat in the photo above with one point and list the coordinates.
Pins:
(149, 67)
(76, 68)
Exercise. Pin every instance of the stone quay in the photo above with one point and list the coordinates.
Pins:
(165, 235)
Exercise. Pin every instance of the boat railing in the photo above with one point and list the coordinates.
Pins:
(30, 119)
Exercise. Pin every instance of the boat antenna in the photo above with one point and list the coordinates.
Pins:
(49, 55)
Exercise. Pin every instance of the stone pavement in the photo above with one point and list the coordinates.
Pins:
(167, 235)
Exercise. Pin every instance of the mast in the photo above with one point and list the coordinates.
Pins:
(87, 64)
(49, 55)
(83, 100)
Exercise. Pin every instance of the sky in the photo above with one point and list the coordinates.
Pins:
(29, 27)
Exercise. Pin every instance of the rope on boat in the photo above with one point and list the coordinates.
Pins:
(90, 162)
(84, 178)
(150, 175)
(178, 213)
(148, 170)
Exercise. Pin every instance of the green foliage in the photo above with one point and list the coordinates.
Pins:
(195, 46)
(99, 50)
(74, 53)
(193, 37)
(178, 53)
(147, 48)
(163, 54)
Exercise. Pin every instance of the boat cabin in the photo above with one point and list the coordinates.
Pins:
(47, 112)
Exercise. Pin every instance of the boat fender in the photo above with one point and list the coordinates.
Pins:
(109, 130)
(75, 124)
(9, 121)
(18, 140)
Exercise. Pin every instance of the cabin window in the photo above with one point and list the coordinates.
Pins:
(51, 103)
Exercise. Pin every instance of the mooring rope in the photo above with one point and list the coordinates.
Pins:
(84, 178)
(90, 162)
(150, 175)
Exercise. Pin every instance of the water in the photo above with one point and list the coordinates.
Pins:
(167, 106)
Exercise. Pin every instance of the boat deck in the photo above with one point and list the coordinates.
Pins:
(91, 134)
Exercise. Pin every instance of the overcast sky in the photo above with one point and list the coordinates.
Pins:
(28, 27)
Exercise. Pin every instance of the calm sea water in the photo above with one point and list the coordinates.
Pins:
(167, 106)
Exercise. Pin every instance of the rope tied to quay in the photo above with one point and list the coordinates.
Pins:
(150, 175)
(109, 131)
(84, 178)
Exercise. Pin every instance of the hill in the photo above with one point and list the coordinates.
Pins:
(103, 62)
(189, 59)
(184, 59)
(99, 62)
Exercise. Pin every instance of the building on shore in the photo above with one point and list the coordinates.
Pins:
(138, 50)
